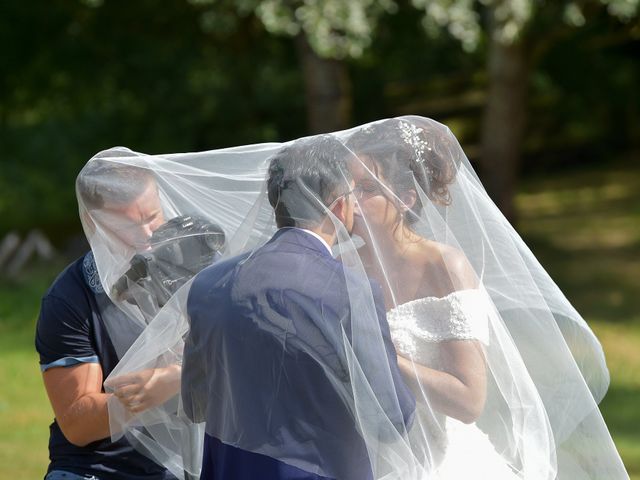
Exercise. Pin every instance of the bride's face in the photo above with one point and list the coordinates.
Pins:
(375, 212)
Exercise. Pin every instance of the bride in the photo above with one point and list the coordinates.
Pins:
(506, 374)
(433, 297)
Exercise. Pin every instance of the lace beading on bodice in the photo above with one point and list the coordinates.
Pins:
(417, 328)
(419, 325)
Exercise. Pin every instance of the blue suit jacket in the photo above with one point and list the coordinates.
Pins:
(265, 361)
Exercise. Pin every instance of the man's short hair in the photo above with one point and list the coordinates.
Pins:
(305, 176)
(105, 180)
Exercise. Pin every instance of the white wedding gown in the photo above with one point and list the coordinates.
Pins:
(457, 450)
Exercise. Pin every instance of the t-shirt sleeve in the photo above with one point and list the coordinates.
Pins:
(63, 334)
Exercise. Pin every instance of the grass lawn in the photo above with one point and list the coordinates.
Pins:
(25, 413)
(584, 227)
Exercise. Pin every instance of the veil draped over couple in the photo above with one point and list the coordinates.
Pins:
(352, 305)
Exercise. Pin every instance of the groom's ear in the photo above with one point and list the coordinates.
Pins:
(339, 208)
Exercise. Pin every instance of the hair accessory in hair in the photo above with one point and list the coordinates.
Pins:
(411, 135)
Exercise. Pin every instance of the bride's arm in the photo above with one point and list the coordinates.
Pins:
(459, 388)
(459, 391)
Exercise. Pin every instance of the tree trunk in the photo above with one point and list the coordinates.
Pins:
(328, 90)
(504, 122)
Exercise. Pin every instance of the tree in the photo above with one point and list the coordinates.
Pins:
(517, 33)
(326, 34)
(93, 74)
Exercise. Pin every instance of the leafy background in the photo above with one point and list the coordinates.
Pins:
(80, 76)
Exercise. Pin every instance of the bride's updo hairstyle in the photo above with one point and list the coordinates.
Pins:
(401, 151)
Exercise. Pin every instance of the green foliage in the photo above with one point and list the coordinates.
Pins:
(204, 74)
(584, 105)
(333, 28)
(511, 20)
(407, 72)
(85, 78)
(585, 230)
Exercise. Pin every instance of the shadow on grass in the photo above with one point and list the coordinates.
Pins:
(584, 228)
(599, 282)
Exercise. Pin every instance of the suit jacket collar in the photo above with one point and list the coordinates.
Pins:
(299, 237)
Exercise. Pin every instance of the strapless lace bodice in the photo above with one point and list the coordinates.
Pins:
(417, 326)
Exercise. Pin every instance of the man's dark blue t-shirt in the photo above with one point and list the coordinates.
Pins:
(71, 330)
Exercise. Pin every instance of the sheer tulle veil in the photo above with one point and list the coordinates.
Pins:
(465, 290)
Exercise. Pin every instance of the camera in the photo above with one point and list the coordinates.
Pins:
(179, 249)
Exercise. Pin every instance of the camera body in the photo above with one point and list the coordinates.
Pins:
(180, 248)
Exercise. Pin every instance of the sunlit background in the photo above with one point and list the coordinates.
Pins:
(543, 95)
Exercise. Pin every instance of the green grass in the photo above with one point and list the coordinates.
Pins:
(584, 227)
(585, 230)
(24, 409)
(619, 408)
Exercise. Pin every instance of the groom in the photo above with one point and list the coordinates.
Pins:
(266, 362)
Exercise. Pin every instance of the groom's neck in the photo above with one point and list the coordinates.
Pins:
(324, 232)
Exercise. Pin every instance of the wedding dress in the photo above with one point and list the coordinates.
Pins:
(417, 328)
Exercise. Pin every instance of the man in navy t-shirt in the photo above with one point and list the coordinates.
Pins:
(76, 351)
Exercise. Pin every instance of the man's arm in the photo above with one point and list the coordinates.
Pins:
(459, 388)
(193, 388)
(71, 372)
(406, 400)
(81, 408)
(79, 405)
(394, 397)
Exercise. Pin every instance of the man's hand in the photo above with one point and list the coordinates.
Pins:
(148, 388)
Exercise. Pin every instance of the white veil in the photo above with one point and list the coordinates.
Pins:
(496, 358)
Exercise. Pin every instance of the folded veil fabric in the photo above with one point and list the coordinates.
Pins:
(475, 299)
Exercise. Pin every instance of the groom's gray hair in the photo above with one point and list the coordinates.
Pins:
(305, 177)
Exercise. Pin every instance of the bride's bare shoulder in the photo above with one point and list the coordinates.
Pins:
(451, 262)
